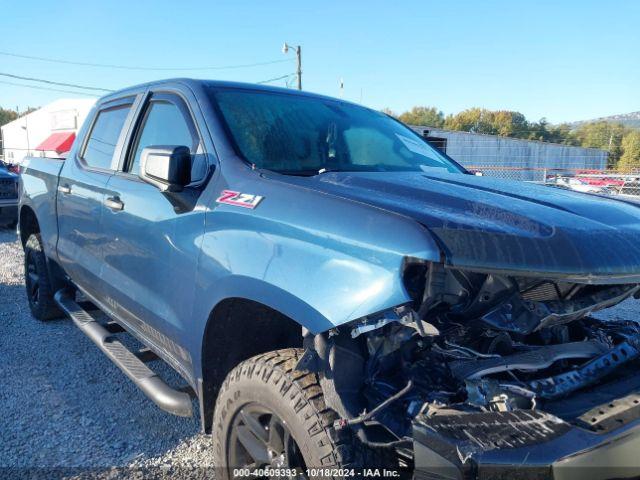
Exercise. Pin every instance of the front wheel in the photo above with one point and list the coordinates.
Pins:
(268, 415)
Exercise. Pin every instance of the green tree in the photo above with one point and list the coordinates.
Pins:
(477, 120)
(424, 116)
(538, 130)
(631, 147)
(7, 116)
(499, 122)
(562, 133)
(601, 134)
(509, 124)
(605, 135)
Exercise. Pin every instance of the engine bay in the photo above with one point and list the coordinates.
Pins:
(473, 343)
(467, 369)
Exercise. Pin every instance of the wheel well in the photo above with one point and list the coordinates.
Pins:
(239, 329)
(28, 224)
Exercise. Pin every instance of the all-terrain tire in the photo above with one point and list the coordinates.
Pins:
(270, 379)
(37, 281)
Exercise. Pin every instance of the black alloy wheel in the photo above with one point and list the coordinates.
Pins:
(259, 439)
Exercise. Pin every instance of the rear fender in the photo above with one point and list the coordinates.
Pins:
(39, 184)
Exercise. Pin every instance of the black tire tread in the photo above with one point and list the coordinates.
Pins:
(339, 448)
(46, 309)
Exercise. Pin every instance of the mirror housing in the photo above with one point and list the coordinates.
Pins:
(168, 167)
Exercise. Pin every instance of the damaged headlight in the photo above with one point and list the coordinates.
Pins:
(404, 315)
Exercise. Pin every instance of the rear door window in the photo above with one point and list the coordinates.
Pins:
(106, 130)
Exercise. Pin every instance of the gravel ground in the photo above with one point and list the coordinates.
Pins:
(65, 405)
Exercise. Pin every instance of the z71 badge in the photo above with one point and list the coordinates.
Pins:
(237, 199)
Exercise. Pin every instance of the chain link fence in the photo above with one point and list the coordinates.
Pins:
(563, 166)
(608, 182)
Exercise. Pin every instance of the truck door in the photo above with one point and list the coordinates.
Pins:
(150, 262)
(81, 190)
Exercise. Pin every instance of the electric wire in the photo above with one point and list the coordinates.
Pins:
(143, 68)
(39, 87)
(276, 78)
(51, 82)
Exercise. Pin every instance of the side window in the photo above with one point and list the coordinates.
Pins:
(164, 124)
(99, 149)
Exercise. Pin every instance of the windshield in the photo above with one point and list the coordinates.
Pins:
(299, 135)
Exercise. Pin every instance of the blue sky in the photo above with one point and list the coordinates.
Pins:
(565, 60)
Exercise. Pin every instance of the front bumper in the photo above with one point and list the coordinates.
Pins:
(524, 445)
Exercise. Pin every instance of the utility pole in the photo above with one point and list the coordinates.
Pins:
(25, 127)
(298, 49)
(299, 69)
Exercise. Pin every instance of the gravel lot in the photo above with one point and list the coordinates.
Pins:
(65, 405)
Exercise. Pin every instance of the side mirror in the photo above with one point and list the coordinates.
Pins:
(168, 167)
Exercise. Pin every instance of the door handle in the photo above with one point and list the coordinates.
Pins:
(66, 189)
(114, 203)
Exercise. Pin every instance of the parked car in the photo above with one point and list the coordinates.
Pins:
(335, 292)
(11, 167)
(581, 185)
(597, 178)
(8, 196)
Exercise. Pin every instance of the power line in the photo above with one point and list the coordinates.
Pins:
(129, 67)
(50, 82)
(276, 78)
(73, 85)
(38, 87)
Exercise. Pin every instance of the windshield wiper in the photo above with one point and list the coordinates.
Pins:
(309, 173)
(328, 170)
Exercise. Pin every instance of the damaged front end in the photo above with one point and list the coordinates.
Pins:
(482, 368)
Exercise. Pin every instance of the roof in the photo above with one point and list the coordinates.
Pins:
(195, 83)
(59, 142)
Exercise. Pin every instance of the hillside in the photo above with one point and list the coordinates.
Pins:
(629, 119)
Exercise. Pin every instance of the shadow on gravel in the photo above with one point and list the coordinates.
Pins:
(64, 404)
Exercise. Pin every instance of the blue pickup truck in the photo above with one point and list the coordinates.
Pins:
(335, 292)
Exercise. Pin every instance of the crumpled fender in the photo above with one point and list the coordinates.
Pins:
(321, 260)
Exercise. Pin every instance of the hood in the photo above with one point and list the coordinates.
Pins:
(485, 223)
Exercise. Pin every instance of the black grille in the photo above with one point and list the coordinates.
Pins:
(542, 292)
(8, 189)
(496, 430)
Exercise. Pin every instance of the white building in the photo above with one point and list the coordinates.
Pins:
(47, 132)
